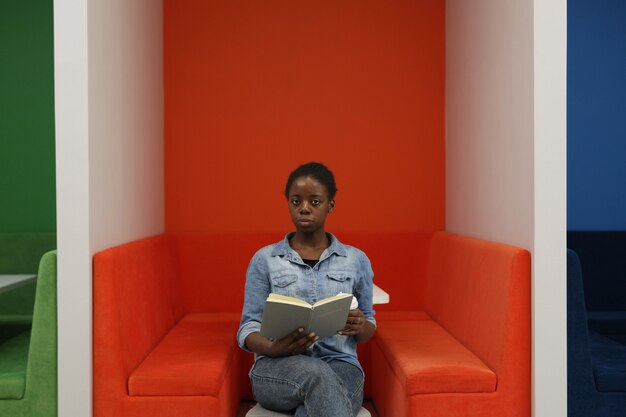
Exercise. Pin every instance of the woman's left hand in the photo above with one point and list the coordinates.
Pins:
(354, 324)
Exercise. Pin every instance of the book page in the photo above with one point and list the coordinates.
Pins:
(331, 299)
(280, 318)
(330, 317)
(282, 315)
(287, 300)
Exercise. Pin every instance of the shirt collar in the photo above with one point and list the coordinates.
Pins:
(283, 248)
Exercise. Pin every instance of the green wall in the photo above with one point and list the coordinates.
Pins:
(27, 178)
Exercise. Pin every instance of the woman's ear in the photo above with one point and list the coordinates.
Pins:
(331, 205)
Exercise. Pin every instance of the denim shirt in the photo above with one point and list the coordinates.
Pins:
(279, 269)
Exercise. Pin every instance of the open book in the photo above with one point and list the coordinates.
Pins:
(282, 315)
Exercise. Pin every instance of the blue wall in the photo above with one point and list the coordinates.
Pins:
(596, 115)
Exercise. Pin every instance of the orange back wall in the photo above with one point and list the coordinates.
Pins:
(255, 88)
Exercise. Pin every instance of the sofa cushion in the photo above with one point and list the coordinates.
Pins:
(610, 374)
(192, 359)
(13, 359)
(609, 362)
(480, 292)
(427, 359)
(399, 261)
(227, 256)
(135, 290)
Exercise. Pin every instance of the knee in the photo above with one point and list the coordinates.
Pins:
(322, 376)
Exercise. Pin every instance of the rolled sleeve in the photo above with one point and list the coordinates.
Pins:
(256, 291)
(364, 288)
(246, 330)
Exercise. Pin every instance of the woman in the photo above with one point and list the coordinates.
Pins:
(315, 377)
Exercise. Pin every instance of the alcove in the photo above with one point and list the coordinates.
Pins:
(433, 115)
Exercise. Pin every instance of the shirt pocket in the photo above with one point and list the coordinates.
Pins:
(284, 283)
(340, 281)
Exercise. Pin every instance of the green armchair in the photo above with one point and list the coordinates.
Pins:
(28, 360)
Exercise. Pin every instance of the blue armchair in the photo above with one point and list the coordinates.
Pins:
(596, 362)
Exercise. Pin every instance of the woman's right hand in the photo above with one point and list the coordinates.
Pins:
(293, 344)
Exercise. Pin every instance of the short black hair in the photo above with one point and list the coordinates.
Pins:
(317, 171)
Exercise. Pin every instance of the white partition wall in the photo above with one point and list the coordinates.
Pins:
(549, 292)
(505, 156)
(125, 120)
(109, 147)
(489, 120)
(73, 242)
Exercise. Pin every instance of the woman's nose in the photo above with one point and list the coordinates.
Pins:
(304, 207)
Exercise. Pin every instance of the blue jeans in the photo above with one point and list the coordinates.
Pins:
(308, 385)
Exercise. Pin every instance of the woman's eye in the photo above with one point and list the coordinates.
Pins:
(315, 202)
(295, 202)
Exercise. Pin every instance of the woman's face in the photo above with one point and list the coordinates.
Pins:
(308, 204)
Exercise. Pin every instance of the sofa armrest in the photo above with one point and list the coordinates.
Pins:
(41, 373)
(480, 292)
(580, 372)
(135, 304)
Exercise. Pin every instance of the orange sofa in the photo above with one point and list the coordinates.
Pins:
(466, 353)
(453, 341)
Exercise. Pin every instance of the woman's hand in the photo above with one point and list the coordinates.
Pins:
(293, 344)
(354, 324)
(358, 326)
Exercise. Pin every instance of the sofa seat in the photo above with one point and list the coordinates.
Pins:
(13, 360)
(191, 360)
(610, 374)
(608, 358)
(427, 359)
